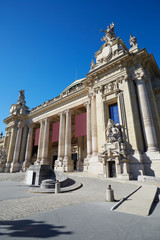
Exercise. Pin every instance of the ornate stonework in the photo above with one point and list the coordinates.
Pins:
(20, 108)
(121, 81)
(110, 34)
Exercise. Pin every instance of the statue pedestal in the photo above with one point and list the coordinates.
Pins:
(37, 173)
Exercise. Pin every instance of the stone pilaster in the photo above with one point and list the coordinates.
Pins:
(145, 111)
(44, 160)
(94, 125)
(28, 153)
(67, 162)
(15, 163)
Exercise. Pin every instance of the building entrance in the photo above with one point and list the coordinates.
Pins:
(112, 169)
(53, 161)
(75, 159)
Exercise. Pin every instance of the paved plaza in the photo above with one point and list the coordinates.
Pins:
(80, 214)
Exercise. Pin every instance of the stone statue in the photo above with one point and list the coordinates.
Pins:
(133, 41)
(110, 34)
(92, 64)
(113, 132)
(20, 108)
(21, 99)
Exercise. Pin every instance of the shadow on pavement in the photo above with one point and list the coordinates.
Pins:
(30, 228)
(155, 202)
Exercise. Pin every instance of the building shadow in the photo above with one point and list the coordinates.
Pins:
(31, 228)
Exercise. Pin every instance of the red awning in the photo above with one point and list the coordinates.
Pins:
(80, 125)
(36, 140)
(55, 132)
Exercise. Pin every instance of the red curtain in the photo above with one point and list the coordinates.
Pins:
(80, 125)
(36, 137)
(55, 132)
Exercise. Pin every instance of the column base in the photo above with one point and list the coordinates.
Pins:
(58, 163)
(93, 158)
(94, 165)
(14, 167)
(44, 162)
(68, 164)
(152, 149)
(2, 166)
(7, 168)
(25, 166)
(151, 162)
(37, 162)
(68, 168)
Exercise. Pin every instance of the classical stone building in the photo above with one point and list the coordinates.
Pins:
(106, 123)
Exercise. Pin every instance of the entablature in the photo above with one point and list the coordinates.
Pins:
(61, 99)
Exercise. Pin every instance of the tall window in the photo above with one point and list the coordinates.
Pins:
(113, 112)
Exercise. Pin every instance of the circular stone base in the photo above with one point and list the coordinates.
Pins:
(47, 184)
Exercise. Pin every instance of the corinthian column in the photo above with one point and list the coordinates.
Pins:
(67, 162)
(10, 148)
(89, 139)
(15, 163)
(145, 111)
(94, 125)
(59, 161)
(29, 146)
(40, 143)
(44, 160)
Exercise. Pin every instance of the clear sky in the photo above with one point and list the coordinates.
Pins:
(46, 44)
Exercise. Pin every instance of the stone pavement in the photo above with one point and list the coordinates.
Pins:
(17, 202)
(81, 214)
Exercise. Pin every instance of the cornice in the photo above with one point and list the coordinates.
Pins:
(58, 101)
(14, 118)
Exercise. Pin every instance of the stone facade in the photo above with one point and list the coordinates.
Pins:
(128, 79)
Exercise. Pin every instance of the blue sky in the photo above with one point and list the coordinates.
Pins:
(45, 44)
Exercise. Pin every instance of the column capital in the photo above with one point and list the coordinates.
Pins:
(67, 111)
(92, 95)
(47, 120)
(20, 124)
(139, 75)
(41, 121)
(87, 103)
(61, 113)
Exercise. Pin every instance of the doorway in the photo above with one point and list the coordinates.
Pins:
(112, 169)
(53, 160)
(75, 159)
(34, 178)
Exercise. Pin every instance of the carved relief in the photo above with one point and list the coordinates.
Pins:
(111, 88)
(113, 132)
